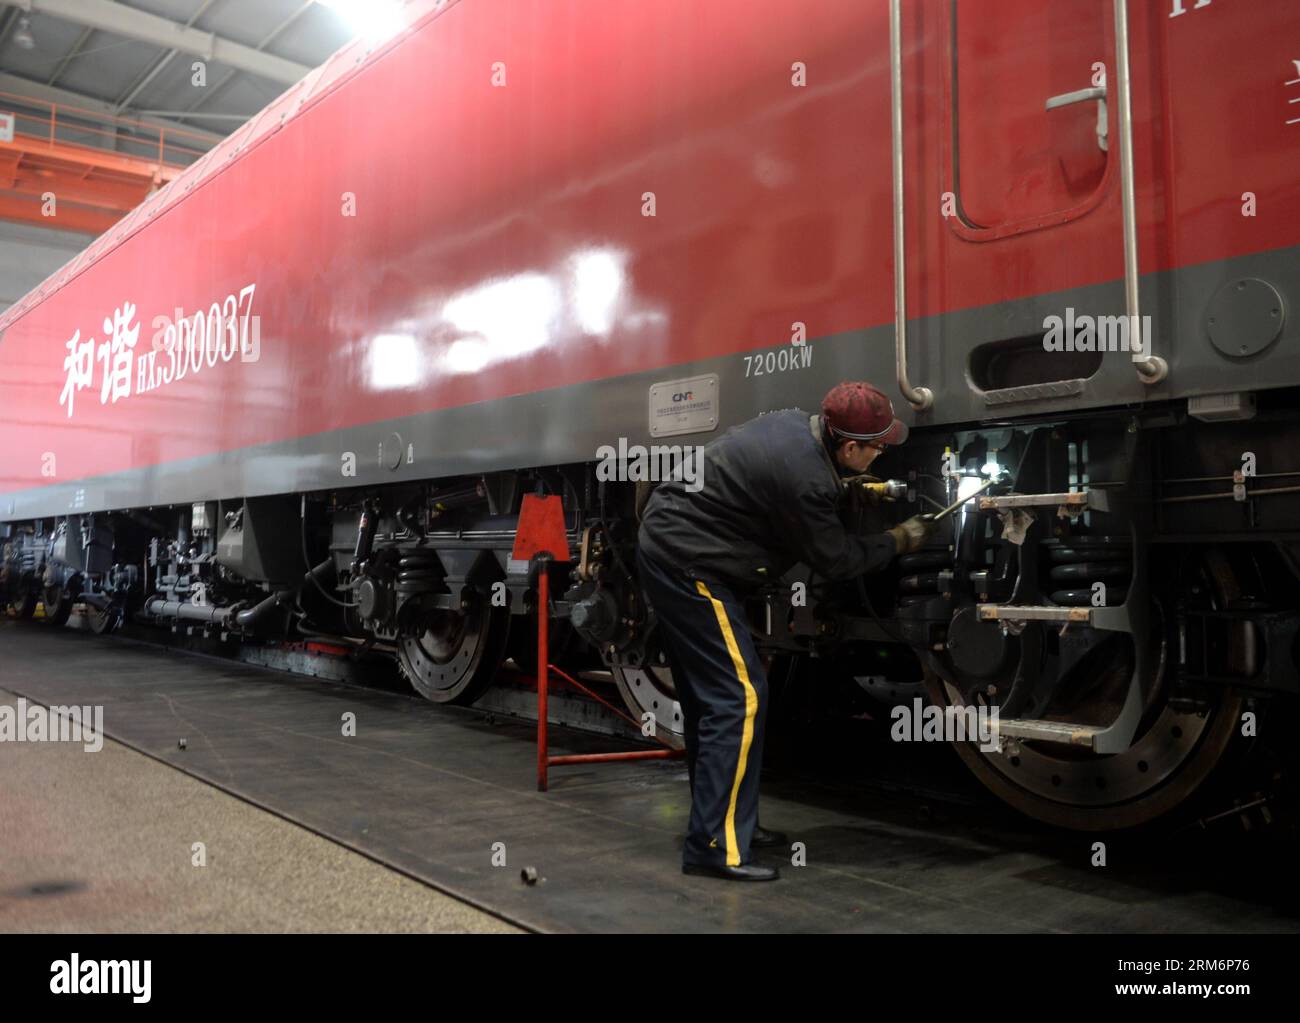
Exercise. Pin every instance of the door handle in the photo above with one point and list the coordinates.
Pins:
(1098, 93)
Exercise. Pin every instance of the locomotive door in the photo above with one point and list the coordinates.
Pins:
(1030, 112)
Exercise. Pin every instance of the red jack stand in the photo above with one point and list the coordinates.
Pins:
(544, 670)
(541, 536)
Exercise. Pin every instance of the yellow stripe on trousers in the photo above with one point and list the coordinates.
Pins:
(751, 711)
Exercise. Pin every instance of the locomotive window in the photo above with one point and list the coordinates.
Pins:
(1022, 361)
(1015, 164)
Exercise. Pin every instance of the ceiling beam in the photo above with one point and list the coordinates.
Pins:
(51, 94)
(117, 18)
(70, 56)
(266, 41)
(143, 81)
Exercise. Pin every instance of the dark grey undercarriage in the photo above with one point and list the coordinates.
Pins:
(1119, 596)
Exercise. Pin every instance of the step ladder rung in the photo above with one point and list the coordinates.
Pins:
(1067, 504)
(1063, 732)
(1033, 613)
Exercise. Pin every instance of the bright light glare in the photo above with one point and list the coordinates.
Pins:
(597, 284)
(393, 362)
(991, 467)
(504, 320)
(376, 20)
(967, 486)
(468, 355)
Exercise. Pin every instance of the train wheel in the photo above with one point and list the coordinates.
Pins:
(456, 657)
(58, 606)
(647, 688)
(1173, 754)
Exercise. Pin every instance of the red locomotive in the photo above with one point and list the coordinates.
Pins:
(307, 384)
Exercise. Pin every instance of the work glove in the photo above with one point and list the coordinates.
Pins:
(910, 535)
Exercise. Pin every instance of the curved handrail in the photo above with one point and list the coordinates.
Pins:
(920, 398)
(1151, 369)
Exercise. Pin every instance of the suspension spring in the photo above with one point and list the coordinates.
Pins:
(1076, 566)
(920, 580)
(418, 571)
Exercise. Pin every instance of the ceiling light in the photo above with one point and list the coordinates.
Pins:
(23, 38)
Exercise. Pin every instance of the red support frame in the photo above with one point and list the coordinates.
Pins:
(544, 670)
(541, 537)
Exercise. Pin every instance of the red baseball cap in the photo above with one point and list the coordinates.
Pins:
(856, 410)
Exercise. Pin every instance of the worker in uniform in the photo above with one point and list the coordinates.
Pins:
(768, 499)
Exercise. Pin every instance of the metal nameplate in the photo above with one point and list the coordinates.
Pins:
(684, 406)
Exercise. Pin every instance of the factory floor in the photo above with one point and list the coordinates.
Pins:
(335, 807)
(105, 842)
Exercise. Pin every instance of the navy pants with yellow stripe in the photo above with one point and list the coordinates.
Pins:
(722, 689)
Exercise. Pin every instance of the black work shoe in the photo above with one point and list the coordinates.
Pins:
(745, 872)
(764, 839)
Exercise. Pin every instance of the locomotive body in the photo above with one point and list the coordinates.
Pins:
(307, 385)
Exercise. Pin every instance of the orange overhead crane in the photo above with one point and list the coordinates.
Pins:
(49, 181)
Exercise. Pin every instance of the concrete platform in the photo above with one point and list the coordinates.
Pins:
(105, 842)
(430, 791)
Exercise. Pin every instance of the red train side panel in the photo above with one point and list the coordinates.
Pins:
(463, 217)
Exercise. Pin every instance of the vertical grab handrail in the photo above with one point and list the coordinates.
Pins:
(1151, 369)
(920, 398)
